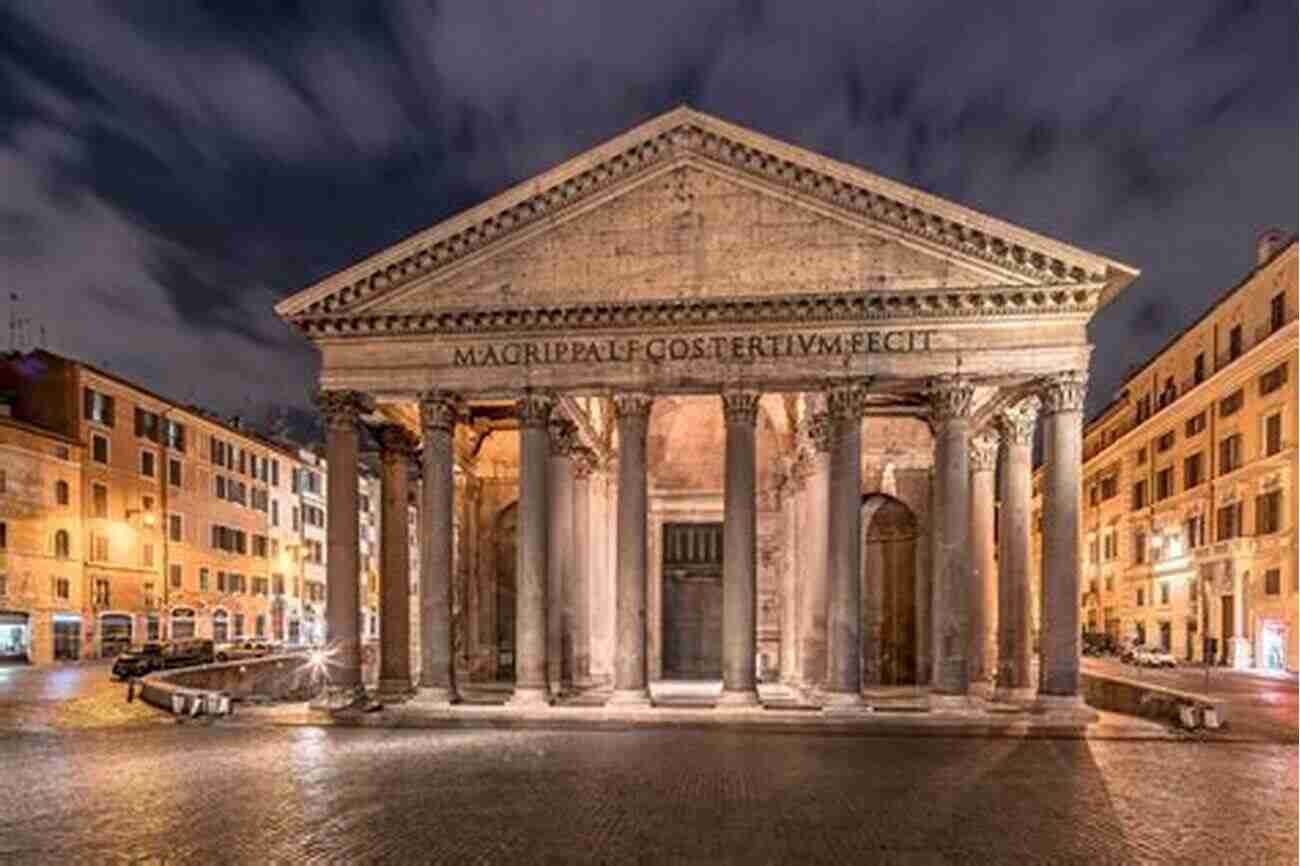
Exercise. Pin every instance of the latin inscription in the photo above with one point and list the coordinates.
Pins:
(750, 347)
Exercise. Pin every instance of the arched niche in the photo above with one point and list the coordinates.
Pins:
(890, 533)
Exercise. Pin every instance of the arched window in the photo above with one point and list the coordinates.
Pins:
(62, 544)
(220, 626)
(61, 492)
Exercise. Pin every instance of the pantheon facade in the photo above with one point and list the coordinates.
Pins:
(698, 404)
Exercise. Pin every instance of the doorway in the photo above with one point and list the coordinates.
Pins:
(889, 591)
(1272, 640)
(114, 634)
(692, 601)
(507, 548)
(67, 637)
(14, 638)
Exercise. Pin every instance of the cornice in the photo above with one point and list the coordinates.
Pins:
(686, 134)
(870, 306)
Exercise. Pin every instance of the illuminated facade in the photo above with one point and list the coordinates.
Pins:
(1190, 490)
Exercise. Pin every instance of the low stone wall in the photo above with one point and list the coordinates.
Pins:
(279, 678)
(1136, 698)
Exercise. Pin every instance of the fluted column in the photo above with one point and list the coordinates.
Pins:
(1015, 426)
(559, 594)
(950, 409)
(813, 544)
(844, 547)
(982, 640)
(342, 411)
(438, 413)
(739, 551)
(533, 551)
(632, 411)
(584, 463)
(396, 447)
(1062, 398)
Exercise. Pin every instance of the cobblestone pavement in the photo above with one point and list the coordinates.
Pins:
(1258, 705)
(80, 695)
(222, 794)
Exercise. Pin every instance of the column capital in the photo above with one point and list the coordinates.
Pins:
(950, 398)
(1016, 423)
(563, 436)
(740, 406)
(395, 442)
(846, 402)
(585, 462)
(984, 451)
(630, 404)
(820, 426)
(342, 408)
(534, 409)
(1064, 392)
(439, 410)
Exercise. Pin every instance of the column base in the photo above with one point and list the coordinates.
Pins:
(842, 702)
(983, 689)
(950, 703)
(434, 696)
(629, 698)
(529, 697)
(335, 697)
(394, 690)
(1060, 703)
(1021, 695)
(738, 698)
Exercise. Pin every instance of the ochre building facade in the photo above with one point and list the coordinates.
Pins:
(699, 404)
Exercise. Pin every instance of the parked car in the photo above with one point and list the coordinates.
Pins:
(1155, 657)
(243, 649)
(160, 655)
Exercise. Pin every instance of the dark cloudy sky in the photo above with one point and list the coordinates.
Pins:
(169, 170)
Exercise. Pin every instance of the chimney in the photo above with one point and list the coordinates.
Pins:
(1269, 242)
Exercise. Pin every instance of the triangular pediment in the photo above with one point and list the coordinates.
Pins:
(688, 206)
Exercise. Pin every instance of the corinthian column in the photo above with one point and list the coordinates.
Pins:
(396, 447)
(559, 607)
(632, 411)
(950, 409)
(739, 551)
(982, 641)
(341, 411)
(844, 546)
(1062, 397)
(1015, 591)
(438, 412)
(584, 463)
(533, 553)
(813, 545)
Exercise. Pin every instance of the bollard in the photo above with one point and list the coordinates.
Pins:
(178, 704)
(1211, 717)
(130, 690)
(1187, 716)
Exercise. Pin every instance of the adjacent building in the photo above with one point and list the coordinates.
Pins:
(1189, 484)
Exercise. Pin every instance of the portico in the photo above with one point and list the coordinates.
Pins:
(696, 324)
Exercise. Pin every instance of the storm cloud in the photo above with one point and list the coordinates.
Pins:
(170, 171)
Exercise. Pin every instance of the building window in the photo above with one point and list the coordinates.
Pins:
(1228, 522)
(275, 512)
(1165, 483)
(63, 588)
(1268, 512)
(1142, 456)
(1139, 495)
(1164, 593)
(1195, 424)
(98, 547)
(220, 627)
(1273, 379)
(99, 500)
(175, 575)
(1139, 547)
(1230, 453)
(1230, 404)
(259, 546)
(175, 435)
(147, 464)
(174, 472)
(1094, 550)
(294, 514)
(1235, 345)
(1198, 369)
(1141, 598)
(1110, 548)
(61, 493)
(203, 580)
(260, 626)
(1194, 531)
(239, 625)
(1273, 581)
(146, 425)
(1192, 471)
(174, 527)
(102, 597)
(1272, 434)
(98, 407)
(1277, 312)
(1165, 442)
(1143, 408)
(146, 555)
(1109, 486)
(4, 535)
(99, 448)
(62, 544)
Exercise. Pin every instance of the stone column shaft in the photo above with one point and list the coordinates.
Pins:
(1063, 463)
(395, 555)
(559, 617)
(951, 408)
(739, 551)
(982, 640)
(1015, 588)
(533, 551)
(844, 547)
(584, 463)
(342, 411)
(815, 557)
(632, 411)
(438, 411)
